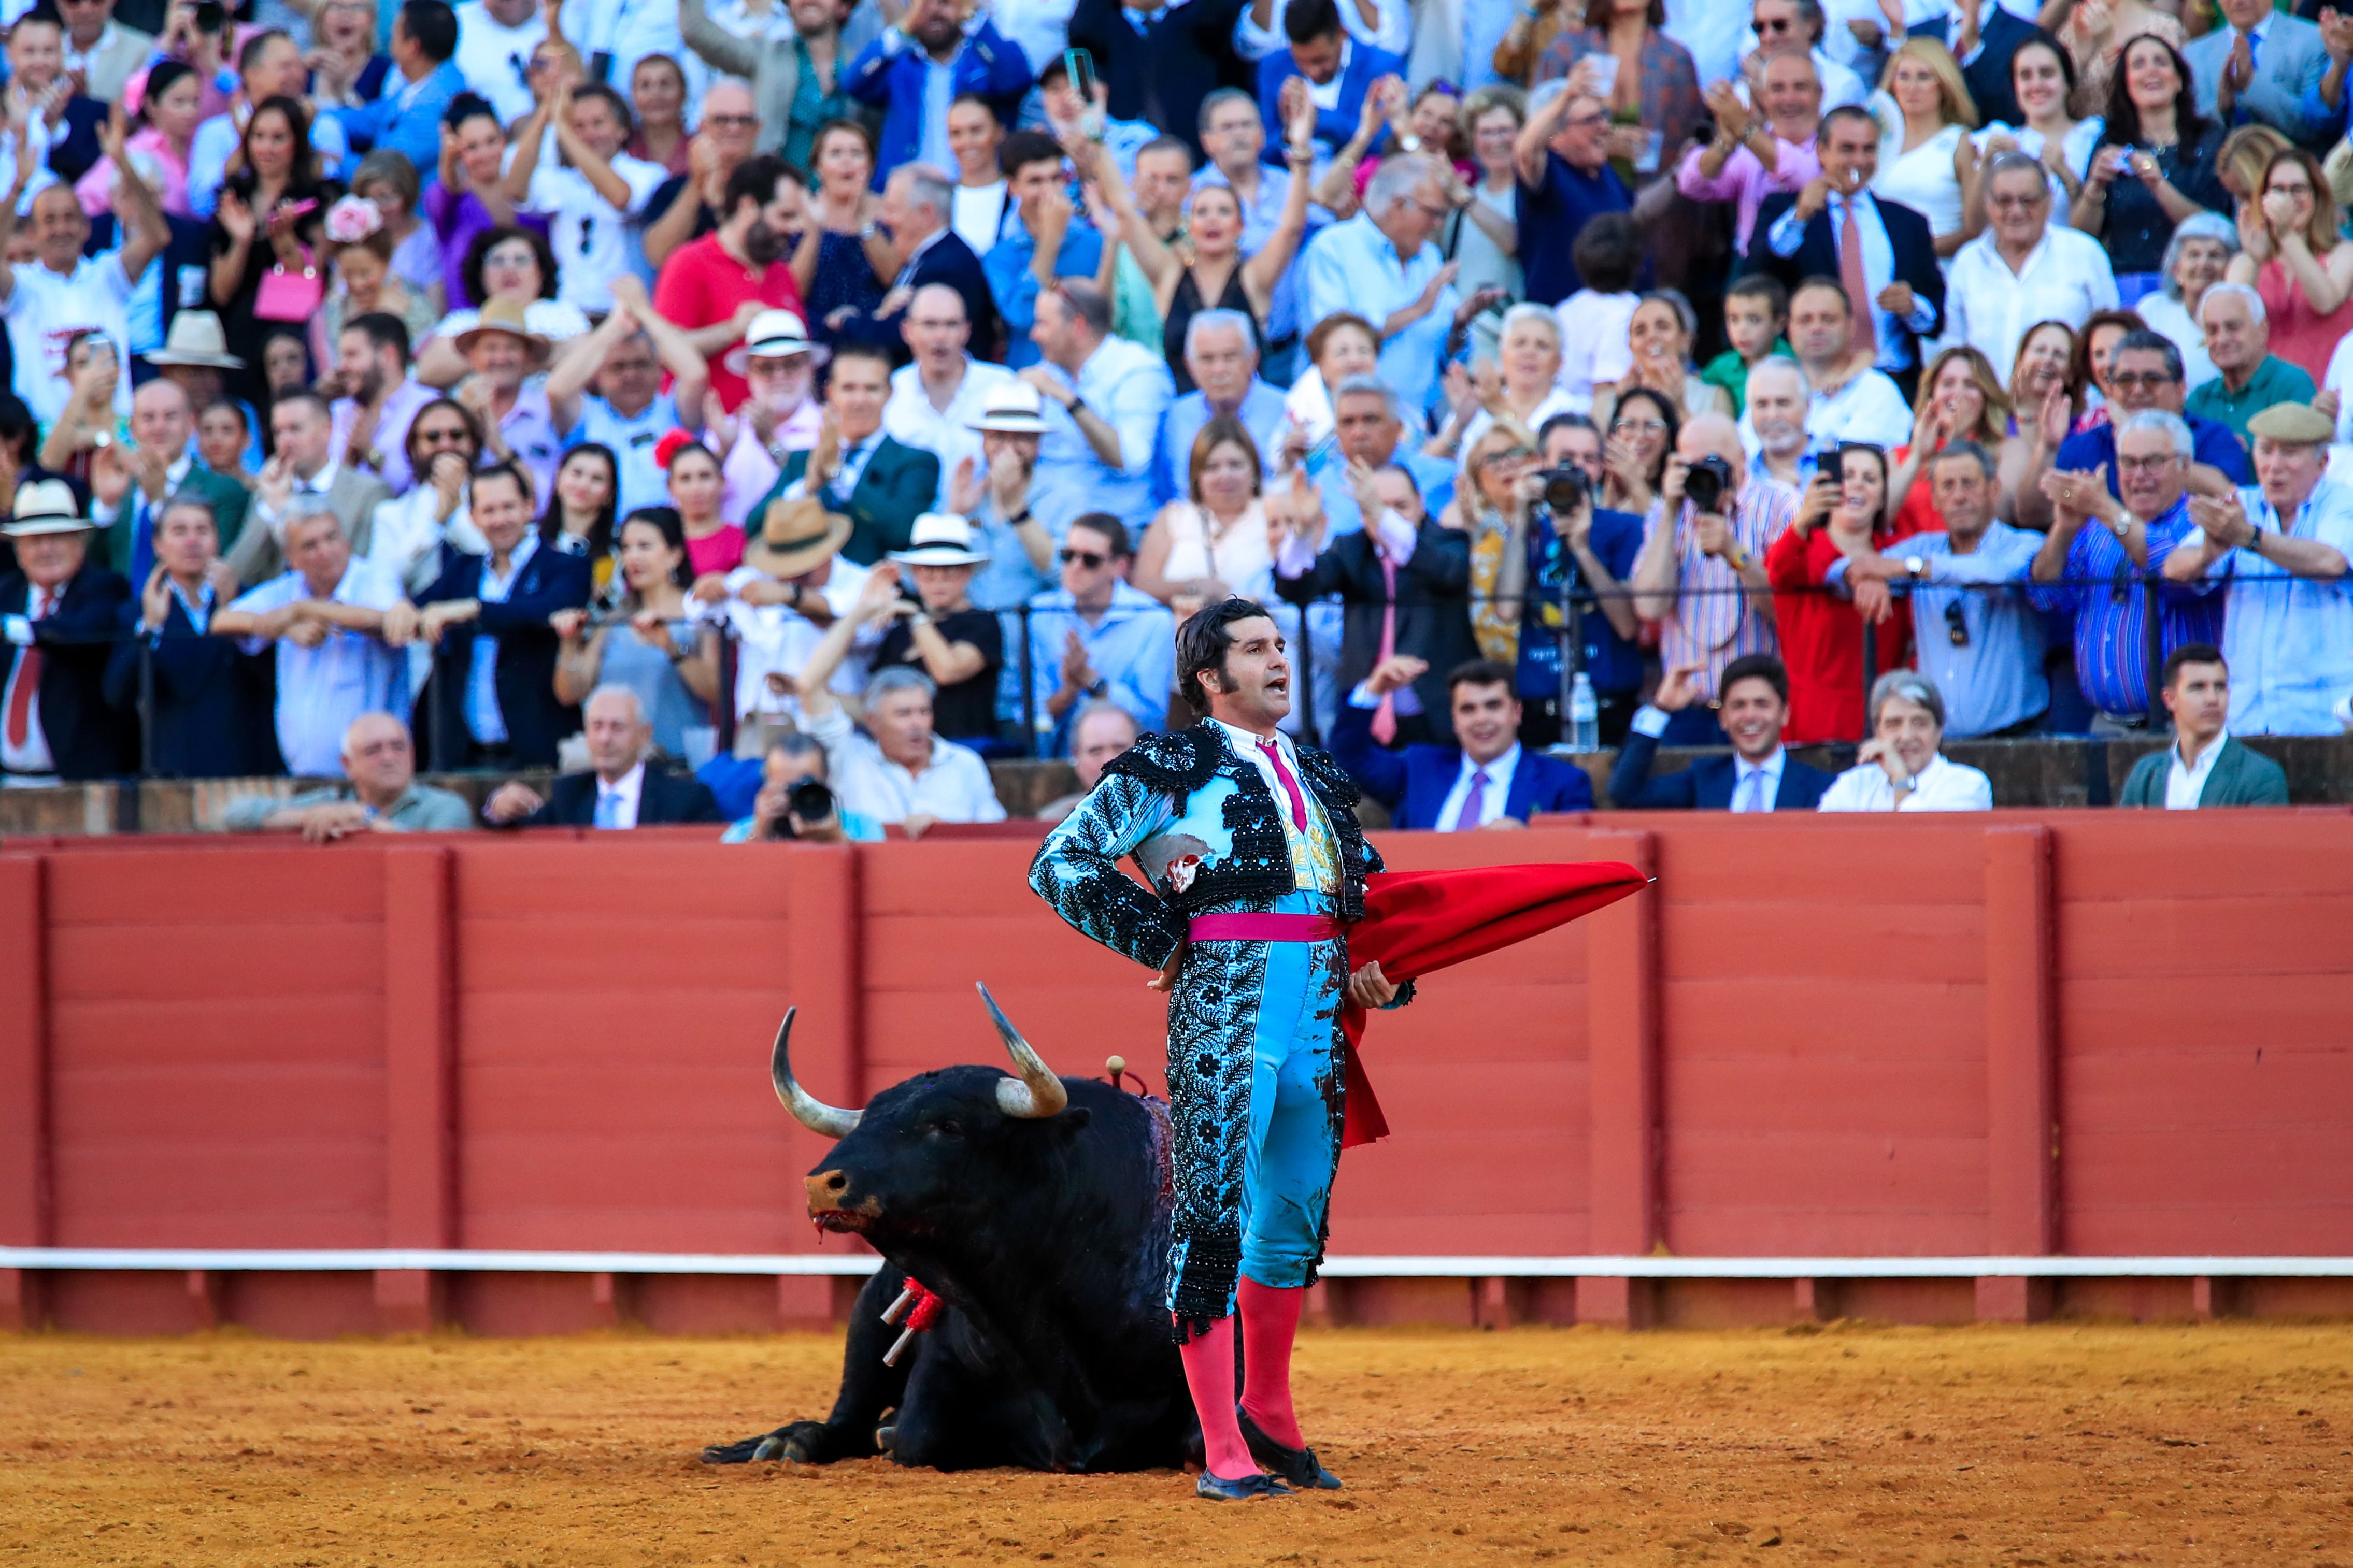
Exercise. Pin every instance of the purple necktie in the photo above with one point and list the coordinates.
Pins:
(1474, 801)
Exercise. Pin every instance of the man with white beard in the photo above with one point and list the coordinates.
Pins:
(1775, 418)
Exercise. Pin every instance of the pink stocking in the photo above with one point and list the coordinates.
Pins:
(1209, 1374)
(1270, 1322)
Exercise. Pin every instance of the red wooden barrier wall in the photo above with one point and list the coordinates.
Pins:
(2095, 1033)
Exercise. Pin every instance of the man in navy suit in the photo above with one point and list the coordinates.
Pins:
(621, 792)
(1487, 781)
(209, 707)
(58, 614)
(1897, 288)
(1321, 52)
(1759, 775)
(497, 606)
(917, 204)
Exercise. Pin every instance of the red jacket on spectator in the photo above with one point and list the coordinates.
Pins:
(1821, 636)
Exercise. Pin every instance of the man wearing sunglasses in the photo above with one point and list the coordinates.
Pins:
(1978, 638)
(1097, 637)
(1783, 28)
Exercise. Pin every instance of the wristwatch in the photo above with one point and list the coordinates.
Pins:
(1076, 406)
(1409, 143)
(1914, 566)
(1019, 518)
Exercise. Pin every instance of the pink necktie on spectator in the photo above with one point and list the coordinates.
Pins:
(1858, 292)
(1474, 802)
(1290, 785)
(27, 681)
(1384, 716)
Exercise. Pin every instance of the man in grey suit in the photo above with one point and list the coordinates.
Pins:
(303, 471)
(2261, 66)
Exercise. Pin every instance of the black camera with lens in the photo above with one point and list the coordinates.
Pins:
(811, 801)
(1566, 488)
(1705, 482)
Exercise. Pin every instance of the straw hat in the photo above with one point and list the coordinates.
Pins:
(776, 334)
(505, 316)
(795, 537)
(1013, 409)
(942, 539)
(45, 506)
(196, 339)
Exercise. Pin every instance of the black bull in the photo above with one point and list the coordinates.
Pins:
(1038, 1209)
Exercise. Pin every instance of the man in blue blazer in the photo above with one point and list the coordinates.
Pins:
(2261, 66)
(504, 600)
(892, 71)
(1320, 50)
(1487, 781)
(209, 706)
(1759, 775)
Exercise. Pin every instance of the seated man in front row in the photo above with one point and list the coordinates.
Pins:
(620, 791)
(1759, 775)
(2203, 766)
(1487, 781)
(381, 796)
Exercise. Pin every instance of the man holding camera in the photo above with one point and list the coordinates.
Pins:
(797, 800)
(1701, 570)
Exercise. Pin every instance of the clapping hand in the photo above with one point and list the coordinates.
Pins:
(2224, 520)
(155, 599)
(1078, 669)
(964, 487)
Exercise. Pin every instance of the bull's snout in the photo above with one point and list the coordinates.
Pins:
(826, 1191)
(830, 1206)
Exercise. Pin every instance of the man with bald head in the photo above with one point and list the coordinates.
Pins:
(936, 401)
(380, 794)
(620, 791)
(689, 205)
(1702, 570)
(130, 484)
(62, 293)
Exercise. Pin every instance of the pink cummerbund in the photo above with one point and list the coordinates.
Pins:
(1262, 928)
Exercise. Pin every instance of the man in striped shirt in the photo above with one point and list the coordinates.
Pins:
(2101, 554)
(1701, 573)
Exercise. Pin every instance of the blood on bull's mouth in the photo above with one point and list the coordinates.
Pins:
(840, 1222)
(828, 1208)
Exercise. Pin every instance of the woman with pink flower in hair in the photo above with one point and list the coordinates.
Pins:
(714, 543)
(360, 250)
(168, 106)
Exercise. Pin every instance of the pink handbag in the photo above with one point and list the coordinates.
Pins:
(290, 296)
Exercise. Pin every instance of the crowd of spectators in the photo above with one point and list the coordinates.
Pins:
(772, 413)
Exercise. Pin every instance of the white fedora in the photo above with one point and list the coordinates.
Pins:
(775, 334)
(940, 539)
(45, 506)
(196, 339)
(1013, 409)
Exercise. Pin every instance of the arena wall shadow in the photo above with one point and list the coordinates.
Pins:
(2091, 1034)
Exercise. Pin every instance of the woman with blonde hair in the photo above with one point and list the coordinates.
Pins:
(1520, 383)
(1493, 510)
(1927, 161)
(2293, 252)
(1961, 399)
(2244, 156)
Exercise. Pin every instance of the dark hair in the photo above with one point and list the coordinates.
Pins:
(228, 404)
(473, 430)
(983, 100)
(1111, 528)
(2142, 340)
(489, 239)
(622, 114)
(1321, 332)
(1597, 15)
(1483, 672)
(1082, 299)
(1608, 253)
(2191, 653)
(1669, 413)
(853, 348)
(1022, 148)
(1567, 422)
(385, 329)
(45, 15)
(756, 180)
(1304, 21)
(301, 171)
(599, 537)
(1223, 430)
(1761, 667)
(2079, 360)
(302, 341)
(1846, 112)
(302, 395)
(664, 520)
(1164, 143)
(1203, 640)
(20, 433)
(507, 469)
(250, 50)
(2122, 116)
(842, 125)
(161, 81)
(2059, 50)
(470, 106)
(1760, 286)
(683, 448)
(432, 26)
(1823, 280)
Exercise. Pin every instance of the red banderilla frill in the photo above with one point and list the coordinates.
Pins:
(919, 1307)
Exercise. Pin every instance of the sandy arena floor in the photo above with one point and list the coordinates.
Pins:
(2226, 1444)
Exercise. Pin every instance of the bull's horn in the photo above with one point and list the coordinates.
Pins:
(807, 1109)
(1035, 1091)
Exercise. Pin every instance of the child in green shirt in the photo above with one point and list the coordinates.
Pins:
(1756, 309)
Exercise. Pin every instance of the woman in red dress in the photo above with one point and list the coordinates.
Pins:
(1843, 514)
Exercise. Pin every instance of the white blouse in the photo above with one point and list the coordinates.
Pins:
(1941, 786)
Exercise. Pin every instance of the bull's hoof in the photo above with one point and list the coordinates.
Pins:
(803, 1442)
(1217, 1488)
(741, 1453)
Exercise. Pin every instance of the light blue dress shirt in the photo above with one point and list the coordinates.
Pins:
(1132, 647)
(2289, 640)
(322, 690)
(1789, 233)
(1434, 475)
(1262, 414)
(1014, 287)
(485, 718)
(1997, 680)
(1352, 267)
(1128, 387)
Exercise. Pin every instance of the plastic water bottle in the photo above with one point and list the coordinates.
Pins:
(1584, 716)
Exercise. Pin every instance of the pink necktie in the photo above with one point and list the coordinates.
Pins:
(1858, 292)
(1384, 716)
(1474, 802)
(27, 679)
(1290, 785)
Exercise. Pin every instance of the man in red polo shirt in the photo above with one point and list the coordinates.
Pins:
(711, 288)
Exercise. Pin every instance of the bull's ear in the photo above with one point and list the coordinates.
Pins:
(1072, 1122)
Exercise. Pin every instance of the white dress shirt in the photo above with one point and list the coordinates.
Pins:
(910, 419)
(1758, 797)
(1867, 408)
(1941, 786)
(954, 787)
(2065, 278)
(623, 794)
(777, 639)
(322, 690)
(1491, 797)
(2183, 786)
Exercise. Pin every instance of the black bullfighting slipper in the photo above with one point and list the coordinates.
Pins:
(1297, 1465)
(1217, 1488)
